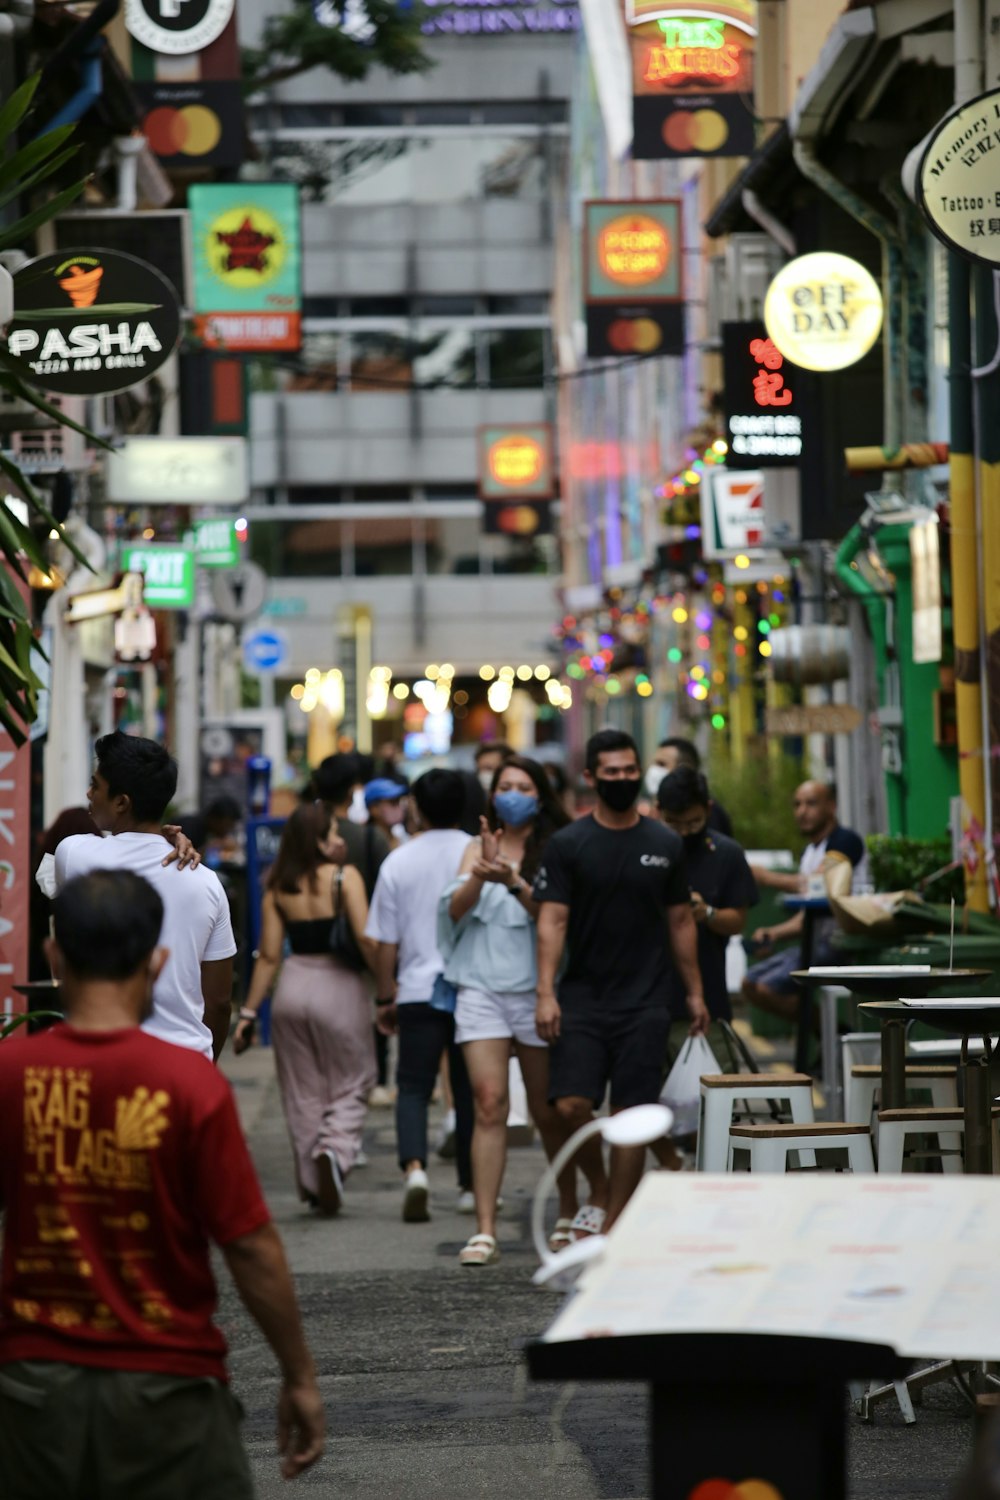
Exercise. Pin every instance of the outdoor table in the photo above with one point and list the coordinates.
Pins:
(812, 908)
(964, 1017)
(861, 979)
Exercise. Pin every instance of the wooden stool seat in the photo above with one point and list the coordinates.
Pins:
(769, 1145)
(947, 1124)
(781, 1132)
(750, 1081)
(913, 1070)
(720, 1094)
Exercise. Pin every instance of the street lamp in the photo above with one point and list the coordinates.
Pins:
(639, 1126)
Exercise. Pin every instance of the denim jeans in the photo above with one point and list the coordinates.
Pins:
(424, 1034)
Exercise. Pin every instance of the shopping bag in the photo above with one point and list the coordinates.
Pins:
(682, 1090)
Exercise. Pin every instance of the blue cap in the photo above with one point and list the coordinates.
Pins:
(383, 790)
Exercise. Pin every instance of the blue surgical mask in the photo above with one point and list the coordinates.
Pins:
(515, 808)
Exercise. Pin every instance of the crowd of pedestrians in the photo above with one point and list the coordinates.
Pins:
(479, 919)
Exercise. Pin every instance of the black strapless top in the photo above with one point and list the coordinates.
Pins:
(310, 937)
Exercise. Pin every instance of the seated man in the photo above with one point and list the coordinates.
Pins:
(768, 984)
(121, 1160)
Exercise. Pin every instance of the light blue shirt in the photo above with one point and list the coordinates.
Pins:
(493, 946)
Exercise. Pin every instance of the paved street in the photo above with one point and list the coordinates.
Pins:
(418, 1358)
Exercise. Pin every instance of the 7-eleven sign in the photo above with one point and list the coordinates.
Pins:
(732, 512)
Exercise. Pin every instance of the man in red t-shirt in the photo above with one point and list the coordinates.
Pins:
(121, 1158)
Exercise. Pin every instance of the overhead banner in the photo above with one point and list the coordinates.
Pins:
(823, 311)
(89, 323)
(764, 400)
(516, 479)
(247, 265)
(193, 124)
(633, 282)
(692, 79)
(957, 180)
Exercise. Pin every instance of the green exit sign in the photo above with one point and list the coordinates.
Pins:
(168, 574)
(215, 544)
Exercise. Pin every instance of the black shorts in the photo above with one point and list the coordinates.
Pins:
(626, 1049)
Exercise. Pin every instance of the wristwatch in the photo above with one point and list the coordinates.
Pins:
(709, 913)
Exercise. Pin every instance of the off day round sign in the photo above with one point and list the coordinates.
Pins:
(958, 183)
(823, 311)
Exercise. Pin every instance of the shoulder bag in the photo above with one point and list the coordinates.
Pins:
(343, 943)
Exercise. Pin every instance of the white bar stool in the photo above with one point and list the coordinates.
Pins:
(719, 1093)
(865, 1079)
(947, 1125)
(769, 1145)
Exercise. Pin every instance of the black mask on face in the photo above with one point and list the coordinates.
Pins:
(693, 841)
(618, 795)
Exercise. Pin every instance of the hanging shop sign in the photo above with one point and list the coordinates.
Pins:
(692, 83)
(179, 471)
(633, 291)
(177, 26)
(823, 311)
(763, 400)
(732, 513)
(516, 462)
(193, 124)
(88, 323)
(481, 18)
(247, 265)
(216, 544)
(168, 574)
(957, 180)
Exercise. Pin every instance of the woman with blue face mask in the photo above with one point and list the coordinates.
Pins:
(486, 934)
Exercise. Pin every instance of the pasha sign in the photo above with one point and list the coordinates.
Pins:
(823, 311)
(88, 323)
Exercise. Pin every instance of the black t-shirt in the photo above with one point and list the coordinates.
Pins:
(717, 869)
(617, 884)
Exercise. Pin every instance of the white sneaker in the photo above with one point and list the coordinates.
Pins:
(416, 1191)
(466, 1202)
(360, 1160)
(381, 1097)
(445, 1143)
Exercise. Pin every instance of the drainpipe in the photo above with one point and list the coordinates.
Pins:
(892, 265)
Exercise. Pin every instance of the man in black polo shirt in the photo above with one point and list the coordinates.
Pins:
(614, 894)
(721, 882)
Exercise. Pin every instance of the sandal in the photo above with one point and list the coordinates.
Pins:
(481, 1250)
(560, 1236)
(589, 1220)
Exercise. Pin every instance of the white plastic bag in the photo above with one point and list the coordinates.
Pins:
(682, 1090)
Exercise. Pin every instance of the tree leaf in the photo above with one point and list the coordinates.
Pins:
(17, 167)
(17, 106)
(25, 228)
(47, 169)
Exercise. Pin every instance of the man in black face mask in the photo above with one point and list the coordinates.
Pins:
(614, 893)
(721, 881)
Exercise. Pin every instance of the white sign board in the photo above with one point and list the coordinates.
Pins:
(958, 181)
(907, 1261)
(179, 471)
(732, 512)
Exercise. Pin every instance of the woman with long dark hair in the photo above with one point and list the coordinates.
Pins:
(486, 935)
(321, 1022)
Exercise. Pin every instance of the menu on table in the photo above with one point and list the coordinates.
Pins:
(907, 1261)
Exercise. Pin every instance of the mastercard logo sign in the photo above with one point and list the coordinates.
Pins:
(695, 132)
(193, 130)
(519, 520)
(635, 336)
(725, 1489)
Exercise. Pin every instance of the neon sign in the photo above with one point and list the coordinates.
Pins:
(515, 461)
(692, 49)
(633, 250)
(764, 424)
(769, 387)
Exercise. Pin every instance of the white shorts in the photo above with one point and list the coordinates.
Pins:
(485, 1016)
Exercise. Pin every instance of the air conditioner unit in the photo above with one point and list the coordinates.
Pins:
(752, 261)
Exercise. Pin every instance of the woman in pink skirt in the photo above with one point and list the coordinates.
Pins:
(321, 1020)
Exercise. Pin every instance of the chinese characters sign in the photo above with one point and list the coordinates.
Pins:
(692, 80)
(516, 479)
(247, 263)
(763, 400)
(632, 277)
(957, 182)
(823, 311)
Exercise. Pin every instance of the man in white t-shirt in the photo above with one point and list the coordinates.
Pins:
(133, 781)
(403, 921)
